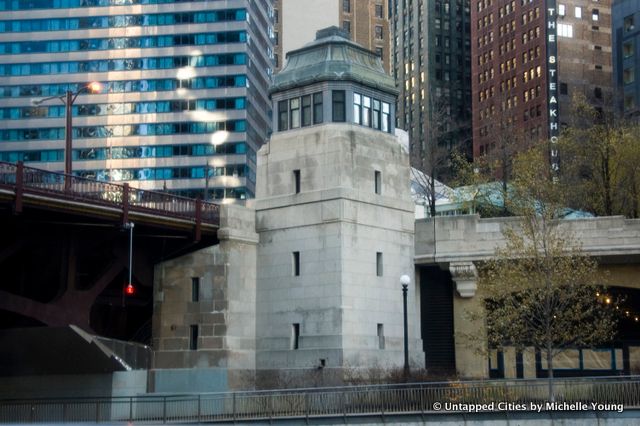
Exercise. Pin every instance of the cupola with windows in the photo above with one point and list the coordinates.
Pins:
(333, 80)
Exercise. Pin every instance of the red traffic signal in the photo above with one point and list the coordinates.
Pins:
(129, 290)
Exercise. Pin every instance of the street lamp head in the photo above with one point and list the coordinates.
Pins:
(405, 280)
(94, 87)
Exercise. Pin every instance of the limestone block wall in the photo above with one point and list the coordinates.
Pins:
(338, 224)
(456, 242)
(225, 310)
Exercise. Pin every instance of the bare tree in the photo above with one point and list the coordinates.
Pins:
(431, 155)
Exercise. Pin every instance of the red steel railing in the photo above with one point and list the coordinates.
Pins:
(27, 180)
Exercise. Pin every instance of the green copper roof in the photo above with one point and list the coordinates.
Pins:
(333, 57)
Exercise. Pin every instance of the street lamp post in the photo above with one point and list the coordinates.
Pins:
(405, 280)
(68, 99)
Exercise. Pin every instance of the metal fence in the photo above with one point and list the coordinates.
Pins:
(28, 180)
(323, 402)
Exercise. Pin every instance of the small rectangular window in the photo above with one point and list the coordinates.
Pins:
(193, 337)
(294, 106)
(357, 108)
(338, 104)
(346, 26)
(317, 108)
(380, 336)
(306, 111)
(379, 11)
(295, 336)
(379, 264)
(346, 6)
(629, 23)
(296, 263)
(283, 116)
(195, 289)
(377, 178)
(296, 181)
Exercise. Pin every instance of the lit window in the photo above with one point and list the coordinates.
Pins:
(595, 15)
(565, 30)
(578, 11)
(561, 10)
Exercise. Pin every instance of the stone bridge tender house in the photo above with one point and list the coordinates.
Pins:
(316, 286)
(305, 278)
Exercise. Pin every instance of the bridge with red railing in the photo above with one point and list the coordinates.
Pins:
(27, 186)
(67, 249)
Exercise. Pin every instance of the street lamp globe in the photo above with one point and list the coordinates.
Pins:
(405, 280)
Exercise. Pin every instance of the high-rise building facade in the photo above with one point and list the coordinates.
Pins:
(432, 67)
(296, 23)
(184, 102)
(528, 60)
(626, 54)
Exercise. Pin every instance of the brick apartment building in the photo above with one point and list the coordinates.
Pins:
(528, 59)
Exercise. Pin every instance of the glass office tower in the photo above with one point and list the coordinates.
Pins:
(184, 104)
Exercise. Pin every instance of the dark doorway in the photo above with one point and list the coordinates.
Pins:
(436, 301)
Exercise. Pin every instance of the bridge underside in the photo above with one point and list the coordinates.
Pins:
(62, 268)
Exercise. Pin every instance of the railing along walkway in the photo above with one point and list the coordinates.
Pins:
(425, 398)
(24, 180)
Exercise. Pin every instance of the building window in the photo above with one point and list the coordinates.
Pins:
(366, 111)
(380, 336)
(380, 53)
(386, 120)
(578, 12)
(338, 106)
(379, 11)
(595, 15)
(346, 6)
(564, 88)
(295, 336)
(306, 110)
(565, 30)
(561, 10)
(317, 108)
(346, 25)
(628, 76)
(357, 108)
(283, 116)
(597, 93)
(376, 114)
(629, 23)
(377, 185)
(193, 337)
(379, 264)
(627, 49)
(195, 289)
(296, 181)
(378, 32)
(294, 112)
(296, 264)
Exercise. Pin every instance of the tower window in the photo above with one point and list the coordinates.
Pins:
(195, 289)
(377, 177)
(379, 264)
(380, 336)
(339, 113)
(296, 181)
(193, 337)
(295, 336)
(283, 116)
(296, 263)
(317, 108)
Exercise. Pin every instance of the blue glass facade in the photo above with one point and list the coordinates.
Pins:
(184, 92)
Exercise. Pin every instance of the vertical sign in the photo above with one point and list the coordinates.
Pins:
(552, 83)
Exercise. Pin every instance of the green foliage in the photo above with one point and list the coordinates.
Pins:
(541, 287)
